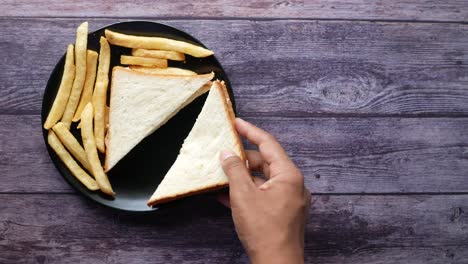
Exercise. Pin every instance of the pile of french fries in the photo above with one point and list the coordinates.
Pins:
(82, 96)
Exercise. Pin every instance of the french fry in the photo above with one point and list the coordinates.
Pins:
(133, 60)
(161, 54)
(100, 93)
(163, 71)
(71, 164)
(61, 99)
(87, 95)
(89, 143)
(155, 43)
(70, 142)
(80, 74)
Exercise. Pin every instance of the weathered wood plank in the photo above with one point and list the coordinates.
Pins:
(24, 161)
(336, 155)
(340, 155)
(282, 68)
(341, 229)
(334, 9)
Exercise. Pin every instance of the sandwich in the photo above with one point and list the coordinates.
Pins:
(140, 103)
(197, 168)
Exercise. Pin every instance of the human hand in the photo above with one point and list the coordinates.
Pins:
(269, 216)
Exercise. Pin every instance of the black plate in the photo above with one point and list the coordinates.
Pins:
(138, 174)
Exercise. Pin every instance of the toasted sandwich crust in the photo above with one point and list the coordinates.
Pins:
(238, 145)
(183, 195)
(232, 117)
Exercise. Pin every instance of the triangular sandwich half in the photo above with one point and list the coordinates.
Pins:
(140, 103)
(198, 169)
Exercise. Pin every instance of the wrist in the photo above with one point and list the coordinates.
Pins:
(282, 254)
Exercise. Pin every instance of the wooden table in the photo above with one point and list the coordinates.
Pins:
(370, 99)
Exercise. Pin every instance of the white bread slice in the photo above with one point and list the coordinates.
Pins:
(140, 103)
(198, 169)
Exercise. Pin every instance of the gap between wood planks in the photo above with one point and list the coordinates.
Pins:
(313, 194)
(162, 18)
(15, 112)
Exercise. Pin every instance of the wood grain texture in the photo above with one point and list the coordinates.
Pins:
(342, 229)
(24, 161)
(282, 68)
(336, 155)
(342, 92)
(308, 9)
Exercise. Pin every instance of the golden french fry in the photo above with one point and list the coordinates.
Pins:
(71, 164)
(80, 74)
(100, 94)
(70, 142)
(61, 99)
(89, 143)
(79, 124)
(155, 43)
(87, 95)
(162, 71)
(153, 62)
(161, 54)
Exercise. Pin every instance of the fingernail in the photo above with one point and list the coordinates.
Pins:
(225, 154)
(266, 185)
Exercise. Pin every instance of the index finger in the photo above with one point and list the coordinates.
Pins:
(269, 147)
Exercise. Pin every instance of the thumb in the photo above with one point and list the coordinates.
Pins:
(236, 171)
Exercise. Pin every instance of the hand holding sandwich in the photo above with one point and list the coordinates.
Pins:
(270, 215)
